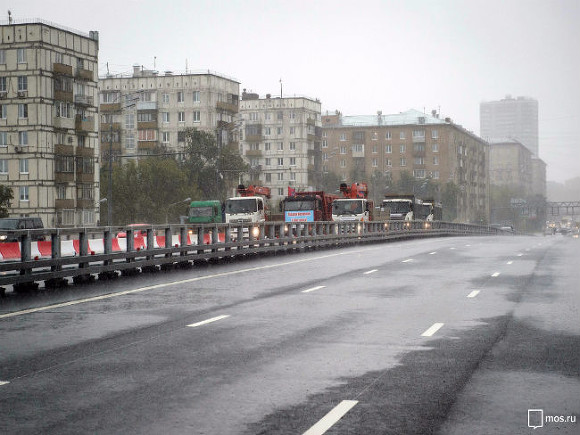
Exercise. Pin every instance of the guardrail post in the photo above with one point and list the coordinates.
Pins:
(228, 236)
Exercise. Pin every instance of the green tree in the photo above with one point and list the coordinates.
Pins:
(449, 197)
(6, 195)
(212, 169)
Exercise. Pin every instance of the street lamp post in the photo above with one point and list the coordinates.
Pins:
(172, 204)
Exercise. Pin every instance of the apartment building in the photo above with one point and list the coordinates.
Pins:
(281, 142)
(425, 146)
(48, 134)
(146, 112)
(513, 118)
(510, 164)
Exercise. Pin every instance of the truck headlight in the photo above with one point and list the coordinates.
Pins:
(255, 232)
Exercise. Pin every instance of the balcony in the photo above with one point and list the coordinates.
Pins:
(64, 150)
(110, 107)
(228, 107)
(64, 123)
(64, 203)
(84, 177)
(254, 138)
(61, 68)
(85, 203)
(254, 153)
(147, 125)
(63, 177)
(418, 139)
(106, 126)
(310, 121)
(85, 74)
(148, 144)
(63, 96)
(147, 105)
(84, 100)
(86, 123)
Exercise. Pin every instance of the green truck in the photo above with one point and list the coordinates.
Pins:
(205, 212)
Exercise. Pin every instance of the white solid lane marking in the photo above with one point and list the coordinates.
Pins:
(433, 253)
(205, 322)
(331, 418)
(473, 294)
(370, 271)
(432, 330)
(158, 286)
(510, 262)
(520, 255)
(408, 260)
(313, 289)
(495, 274)
(451, 248)
(3, 383)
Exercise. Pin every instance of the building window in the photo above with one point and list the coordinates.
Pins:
(324, 143)
(324, 156)
(388, 135)
(292, 161)
(22, 83)
(293, 176)
(3, 87)
(130, 120)
(181, 116)
(129, 141)
(435, 175)
(3, 166)
(23, 138)
(278, 131)
(267, 146)
(21, 55)
(435, 148)
(165, 98)
(165, 117)
(280, 161)
(342, 136)
(280, 191)
(419, 160)
(434, 134)
(196, 116)
(403, 162)
(402, 149)
(374, 149)
(2, 57)
(64, 164)
(147, 135)
(280, 115)
(63, 110)
(343, 163)
(145, 117)
(375, 163)
(180, 97)
(280, 176)
(388, 162)
(268, 178)
(85, 191)
(196, 97)
(3, 139)
(292, 146)
(419, 147)
(267, 131)
(81, 141)
(280, 146)
(255, 147)
(23, 193)
(436, 160)
(268, 161)
(253, 116)
(292, 131)
(419, 173)
(343, 150)
(165, 138)
(402, 135)
(61, 191)
(23, 111)
(358, 136)
(3, 111)
(23, 166)
(419, 134)
(388, 149)
(358, 148)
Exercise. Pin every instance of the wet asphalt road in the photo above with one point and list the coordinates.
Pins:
(452, 335)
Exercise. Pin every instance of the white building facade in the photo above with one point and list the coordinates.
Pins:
(48, 130)
(281, 140)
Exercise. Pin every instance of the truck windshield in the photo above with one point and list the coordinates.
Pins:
(9, 224)
(397, 206)
(293, 205)
(200, 211)
(347, 206)
(234, 206)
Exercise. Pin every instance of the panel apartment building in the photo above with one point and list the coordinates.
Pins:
(281, 142)
(423, 145)
(145, 112)
(48, 131)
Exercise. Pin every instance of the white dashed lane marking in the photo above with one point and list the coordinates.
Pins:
(370, 271)
(473, 294)
(432, 330)
(313, 289)
(205, 322)
(331, 418)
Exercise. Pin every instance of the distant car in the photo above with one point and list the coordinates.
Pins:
(137, 233)
(22, 223)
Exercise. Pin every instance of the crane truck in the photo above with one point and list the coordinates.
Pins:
(355, 205)
(308, 206)
(249, 207)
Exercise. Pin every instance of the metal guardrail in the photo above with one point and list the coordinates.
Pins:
(194, 245)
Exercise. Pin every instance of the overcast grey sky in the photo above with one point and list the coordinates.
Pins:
(358, 56)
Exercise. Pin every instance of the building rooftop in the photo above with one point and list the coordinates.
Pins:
(23, 21)
(410, 117)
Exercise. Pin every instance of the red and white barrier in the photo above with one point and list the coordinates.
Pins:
(71, 248)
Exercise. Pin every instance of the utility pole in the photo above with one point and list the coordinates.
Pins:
(110, 190)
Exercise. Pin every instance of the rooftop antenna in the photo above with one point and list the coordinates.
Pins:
(154, 62)
(280, 88)
(186, 71)
(9, 17)
(108, 73)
